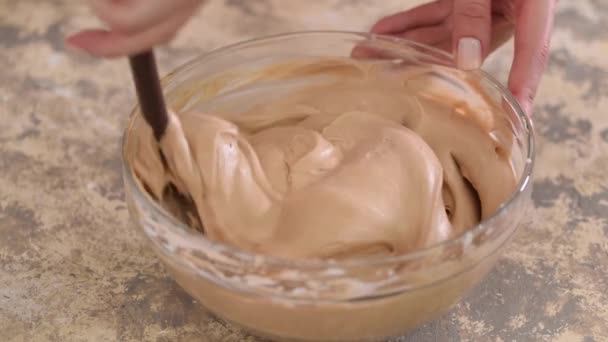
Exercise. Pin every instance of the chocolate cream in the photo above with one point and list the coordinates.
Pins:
(345, 159)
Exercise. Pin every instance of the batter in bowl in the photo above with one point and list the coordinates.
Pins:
(346, 159)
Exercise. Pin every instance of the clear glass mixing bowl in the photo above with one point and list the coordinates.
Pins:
(352, 300)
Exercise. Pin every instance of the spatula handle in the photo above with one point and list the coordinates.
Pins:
(149, 92)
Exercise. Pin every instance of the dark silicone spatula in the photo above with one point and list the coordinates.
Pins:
(154, 110)
(149, 92)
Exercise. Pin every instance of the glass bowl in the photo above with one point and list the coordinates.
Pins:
(324, 300)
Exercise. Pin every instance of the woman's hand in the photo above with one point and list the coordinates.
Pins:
(472, 29)
(134, 25)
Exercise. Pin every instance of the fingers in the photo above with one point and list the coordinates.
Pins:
(534, 24)
(130, 16)
(428, 35)
(426, 15)
(438, 36)
(472, 32)
(134, 25)
(110, 44)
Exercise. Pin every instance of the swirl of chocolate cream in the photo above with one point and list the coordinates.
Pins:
(368, 158)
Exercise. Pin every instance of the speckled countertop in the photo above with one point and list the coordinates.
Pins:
(72, 268)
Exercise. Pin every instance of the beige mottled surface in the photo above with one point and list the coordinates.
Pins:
(73, 269)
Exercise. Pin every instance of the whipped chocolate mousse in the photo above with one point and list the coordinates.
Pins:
(347, 159)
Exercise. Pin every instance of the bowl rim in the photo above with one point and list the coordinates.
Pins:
(190, 238)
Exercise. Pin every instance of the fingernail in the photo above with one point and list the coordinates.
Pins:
(469, 54)
(76, 51)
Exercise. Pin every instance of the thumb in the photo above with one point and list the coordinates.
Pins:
(533, 26)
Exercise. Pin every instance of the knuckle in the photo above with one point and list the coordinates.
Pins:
(543, 54)
(525, 95)
(474, 10)
(530, 95)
